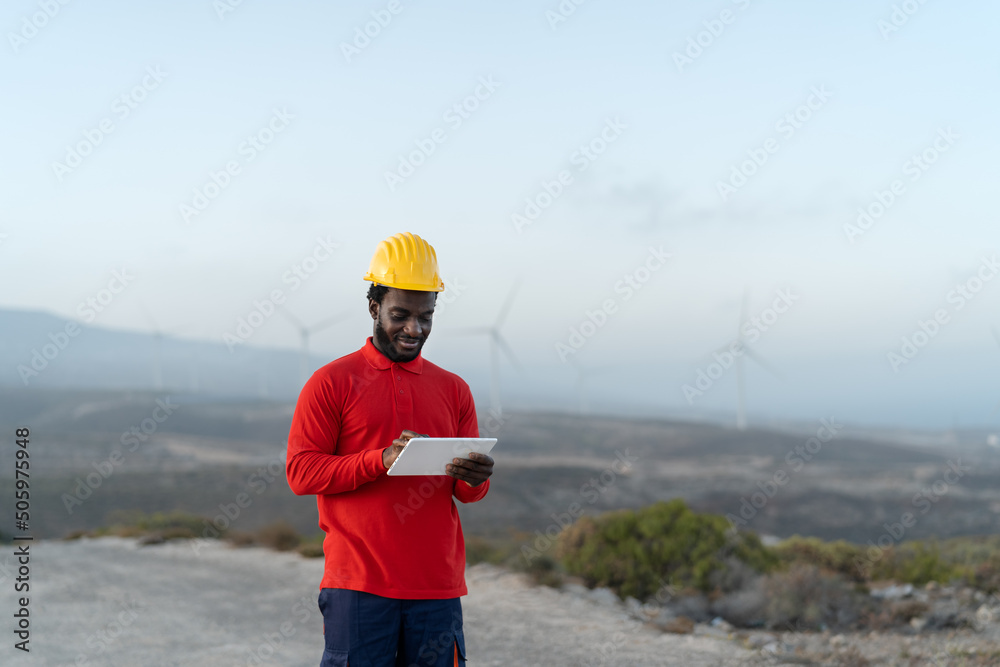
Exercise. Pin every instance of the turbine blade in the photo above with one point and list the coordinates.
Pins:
(763, 364)
(327, 323)
(507, 304)
(728, 347)
(469, 331)
(743, 314)
(505, 348)
(291, 318)
(741, 396)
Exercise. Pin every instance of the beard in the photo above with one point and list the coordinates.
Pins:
(389, 349)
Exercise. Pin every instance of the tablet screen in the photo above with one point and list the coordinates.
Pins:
(429, 456)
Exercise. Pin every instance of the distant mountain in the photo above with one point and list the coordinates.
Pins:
(41, 350)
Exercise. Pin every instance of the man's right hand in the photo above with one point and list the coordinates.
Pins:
(390, 453)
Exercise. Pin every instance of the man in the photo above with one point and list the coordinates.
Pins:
(395, 555)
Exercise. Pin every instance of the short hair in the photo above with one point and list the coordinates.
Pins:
(377, 292)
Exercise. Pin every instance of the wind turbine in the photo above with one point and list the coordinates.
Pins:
(157, 366)
(497, 346)
(737, 343)
(305, 332)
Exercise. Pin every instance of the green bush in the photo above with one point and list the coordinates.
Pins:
(481, 550)
(637, 553)
(974, 561)
(917, 563)
(923, 563)
(162, 521)
(312, 547)
(544, 571)
(133, 523)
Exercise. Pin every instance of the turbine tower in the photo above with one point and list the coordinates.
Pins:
(304, 334)
(737, 343)
(497, 346)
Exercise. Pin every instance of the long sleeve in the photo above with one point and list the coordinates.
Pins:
(312, 467)
(468, 427)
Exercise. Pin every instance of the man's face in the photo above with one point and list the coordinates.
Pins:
(402, 322)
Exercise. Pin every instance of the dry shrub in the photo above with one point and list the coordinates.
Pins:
(177, 533)
(894, 614)
(280, 536)
(806, 597)
(802, 598)
(125, 531)
(240, 538)
(852, 657)
(904, 611)
(840, 556)
(745, 608)
(543, 570)
(987, 575)
(681, 625)
(735, 575)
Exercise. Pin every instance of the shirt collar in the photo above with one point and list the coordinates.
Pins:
(381, 362)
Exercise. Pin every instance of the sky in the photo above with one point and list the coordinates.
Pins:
(204, 150)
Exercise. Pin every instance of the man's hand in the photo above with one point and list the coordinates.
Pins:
(390, 453)
(474, 470)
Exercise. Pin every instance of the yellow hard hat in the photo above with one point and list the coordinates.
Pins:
(405, 261)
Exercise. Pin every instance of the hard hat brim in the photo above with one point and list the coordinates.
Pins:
(407, 286)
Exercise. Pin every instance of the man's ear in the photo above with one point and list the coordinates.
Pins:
(373, 308)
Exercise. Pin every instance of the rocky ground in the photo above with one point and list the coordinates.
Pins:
(111, 601)
(947, 626)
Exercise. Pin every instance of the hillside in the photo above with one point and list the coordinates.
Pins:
(209, 451)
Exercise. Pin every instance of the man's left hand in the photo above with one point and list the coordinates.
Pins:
(474, 470)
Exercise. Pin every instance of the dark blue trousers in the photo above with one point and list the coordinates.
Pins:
(365, 630)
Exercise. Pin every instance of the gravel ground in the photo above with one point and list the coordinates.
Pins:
(110, 601)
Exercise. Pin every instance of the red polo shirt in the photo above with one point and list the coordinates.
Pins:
(397, 537)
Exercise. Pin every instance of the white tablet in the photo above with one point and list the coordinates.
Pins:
(429, 456)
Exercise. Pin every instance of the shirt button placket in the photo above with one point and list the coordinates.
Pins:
(404, 401)
(397, 388)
